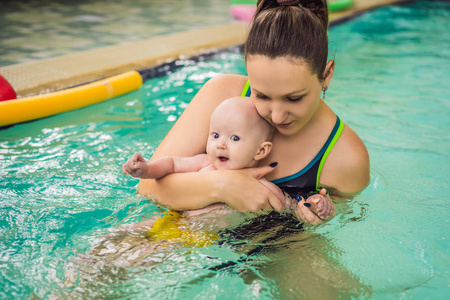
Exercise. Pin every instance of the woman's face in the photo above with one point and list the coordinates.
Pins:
(284, 92)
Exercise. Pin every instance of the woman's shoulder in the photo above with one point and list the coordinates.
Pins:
(227, 82)
(348, 166)
(219, 88)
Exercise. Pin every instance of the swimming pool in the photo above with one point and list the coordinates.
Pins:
(82, 25)
(61, 185)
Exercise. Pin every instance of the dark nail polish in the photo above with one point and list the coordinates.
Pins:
(273, 165)
(307, 204)
(298, 197)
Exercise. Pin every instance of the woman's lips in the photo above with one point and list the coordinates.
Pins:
(284, 125)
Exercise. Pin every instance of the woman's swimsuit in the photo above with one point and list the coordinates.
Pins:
(306, 181)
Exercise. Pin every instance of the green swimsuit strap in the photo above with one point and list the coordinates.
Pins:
(245, 91)
(329, 148)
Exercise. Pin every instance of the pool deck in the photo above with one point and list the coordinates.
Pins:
(76, 68)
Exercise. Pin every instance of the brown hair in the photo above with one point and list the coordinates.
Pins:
(286, 29)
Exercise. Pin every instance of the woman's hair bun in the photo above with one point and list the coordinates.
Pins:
(291, 28)
(288, 2)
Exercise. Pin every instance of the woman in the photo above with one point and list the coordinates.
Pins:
(286, 58)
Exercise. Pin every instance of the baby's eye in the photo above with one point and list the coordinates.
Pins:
(235, 138)
(215, 135)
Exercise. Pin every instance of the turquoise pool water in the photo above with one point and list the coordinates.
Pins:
(61, 187)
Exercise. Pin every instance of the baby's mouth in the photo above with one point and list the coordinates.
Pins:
(223, 158)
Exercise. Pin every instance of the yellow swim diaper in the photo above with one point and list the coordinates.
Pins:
(167, 228)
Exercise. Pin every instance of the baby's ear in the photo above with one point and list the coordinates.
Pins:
(263, 151)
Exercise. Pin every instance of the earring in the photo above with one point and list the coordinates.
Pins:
(324, 89)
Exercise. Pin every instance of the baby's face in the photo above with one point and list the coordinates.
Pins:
(232, 142)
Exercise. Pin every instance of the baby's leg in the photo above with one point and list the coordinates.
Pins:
(144, 225)
(195, 212)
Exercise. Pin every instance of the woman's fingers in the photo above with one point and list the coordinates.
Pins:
(244, 191)
(260, 172)
(265, 199)
(275, 203)
(272, 201)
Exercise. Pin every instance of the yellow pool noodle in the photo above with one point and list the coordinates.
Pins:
(40, 106)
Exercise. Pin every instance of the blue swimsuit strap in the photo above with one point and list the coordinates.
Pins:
(333, 137)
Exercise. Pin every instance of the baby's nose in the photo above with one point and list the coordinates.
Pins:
(221, 144)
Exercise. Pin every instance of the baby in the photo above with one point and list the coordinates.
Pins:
(238, 138)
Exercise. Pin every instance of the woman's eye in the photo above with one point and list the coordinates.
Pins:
(294, 99)
(235, 138)
(215, 135)
(262, 97)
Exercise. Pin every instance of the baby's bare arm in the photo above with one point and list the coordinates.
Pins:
(189, 164)
(137, 167)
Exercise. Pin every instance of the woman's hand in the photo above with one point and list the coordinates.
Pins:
(242, 190)
(316, 209)
(136, 166)
(289, 204)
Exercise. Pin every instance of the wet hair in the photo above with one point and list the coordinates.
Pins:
(294, 29)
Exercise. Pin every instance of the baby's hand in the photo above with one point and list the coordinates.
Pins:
(321, 204)
(316, 209)
(136, 166)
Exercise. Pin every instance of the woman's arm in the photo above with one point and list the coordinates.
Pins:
(239, 189)
(346, 171)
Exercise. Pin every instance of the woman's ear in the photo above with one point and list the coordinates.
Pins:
(328, 73)
(263, 151)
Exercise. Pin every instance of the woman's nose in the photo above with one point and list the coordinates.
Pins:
(278, 115)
